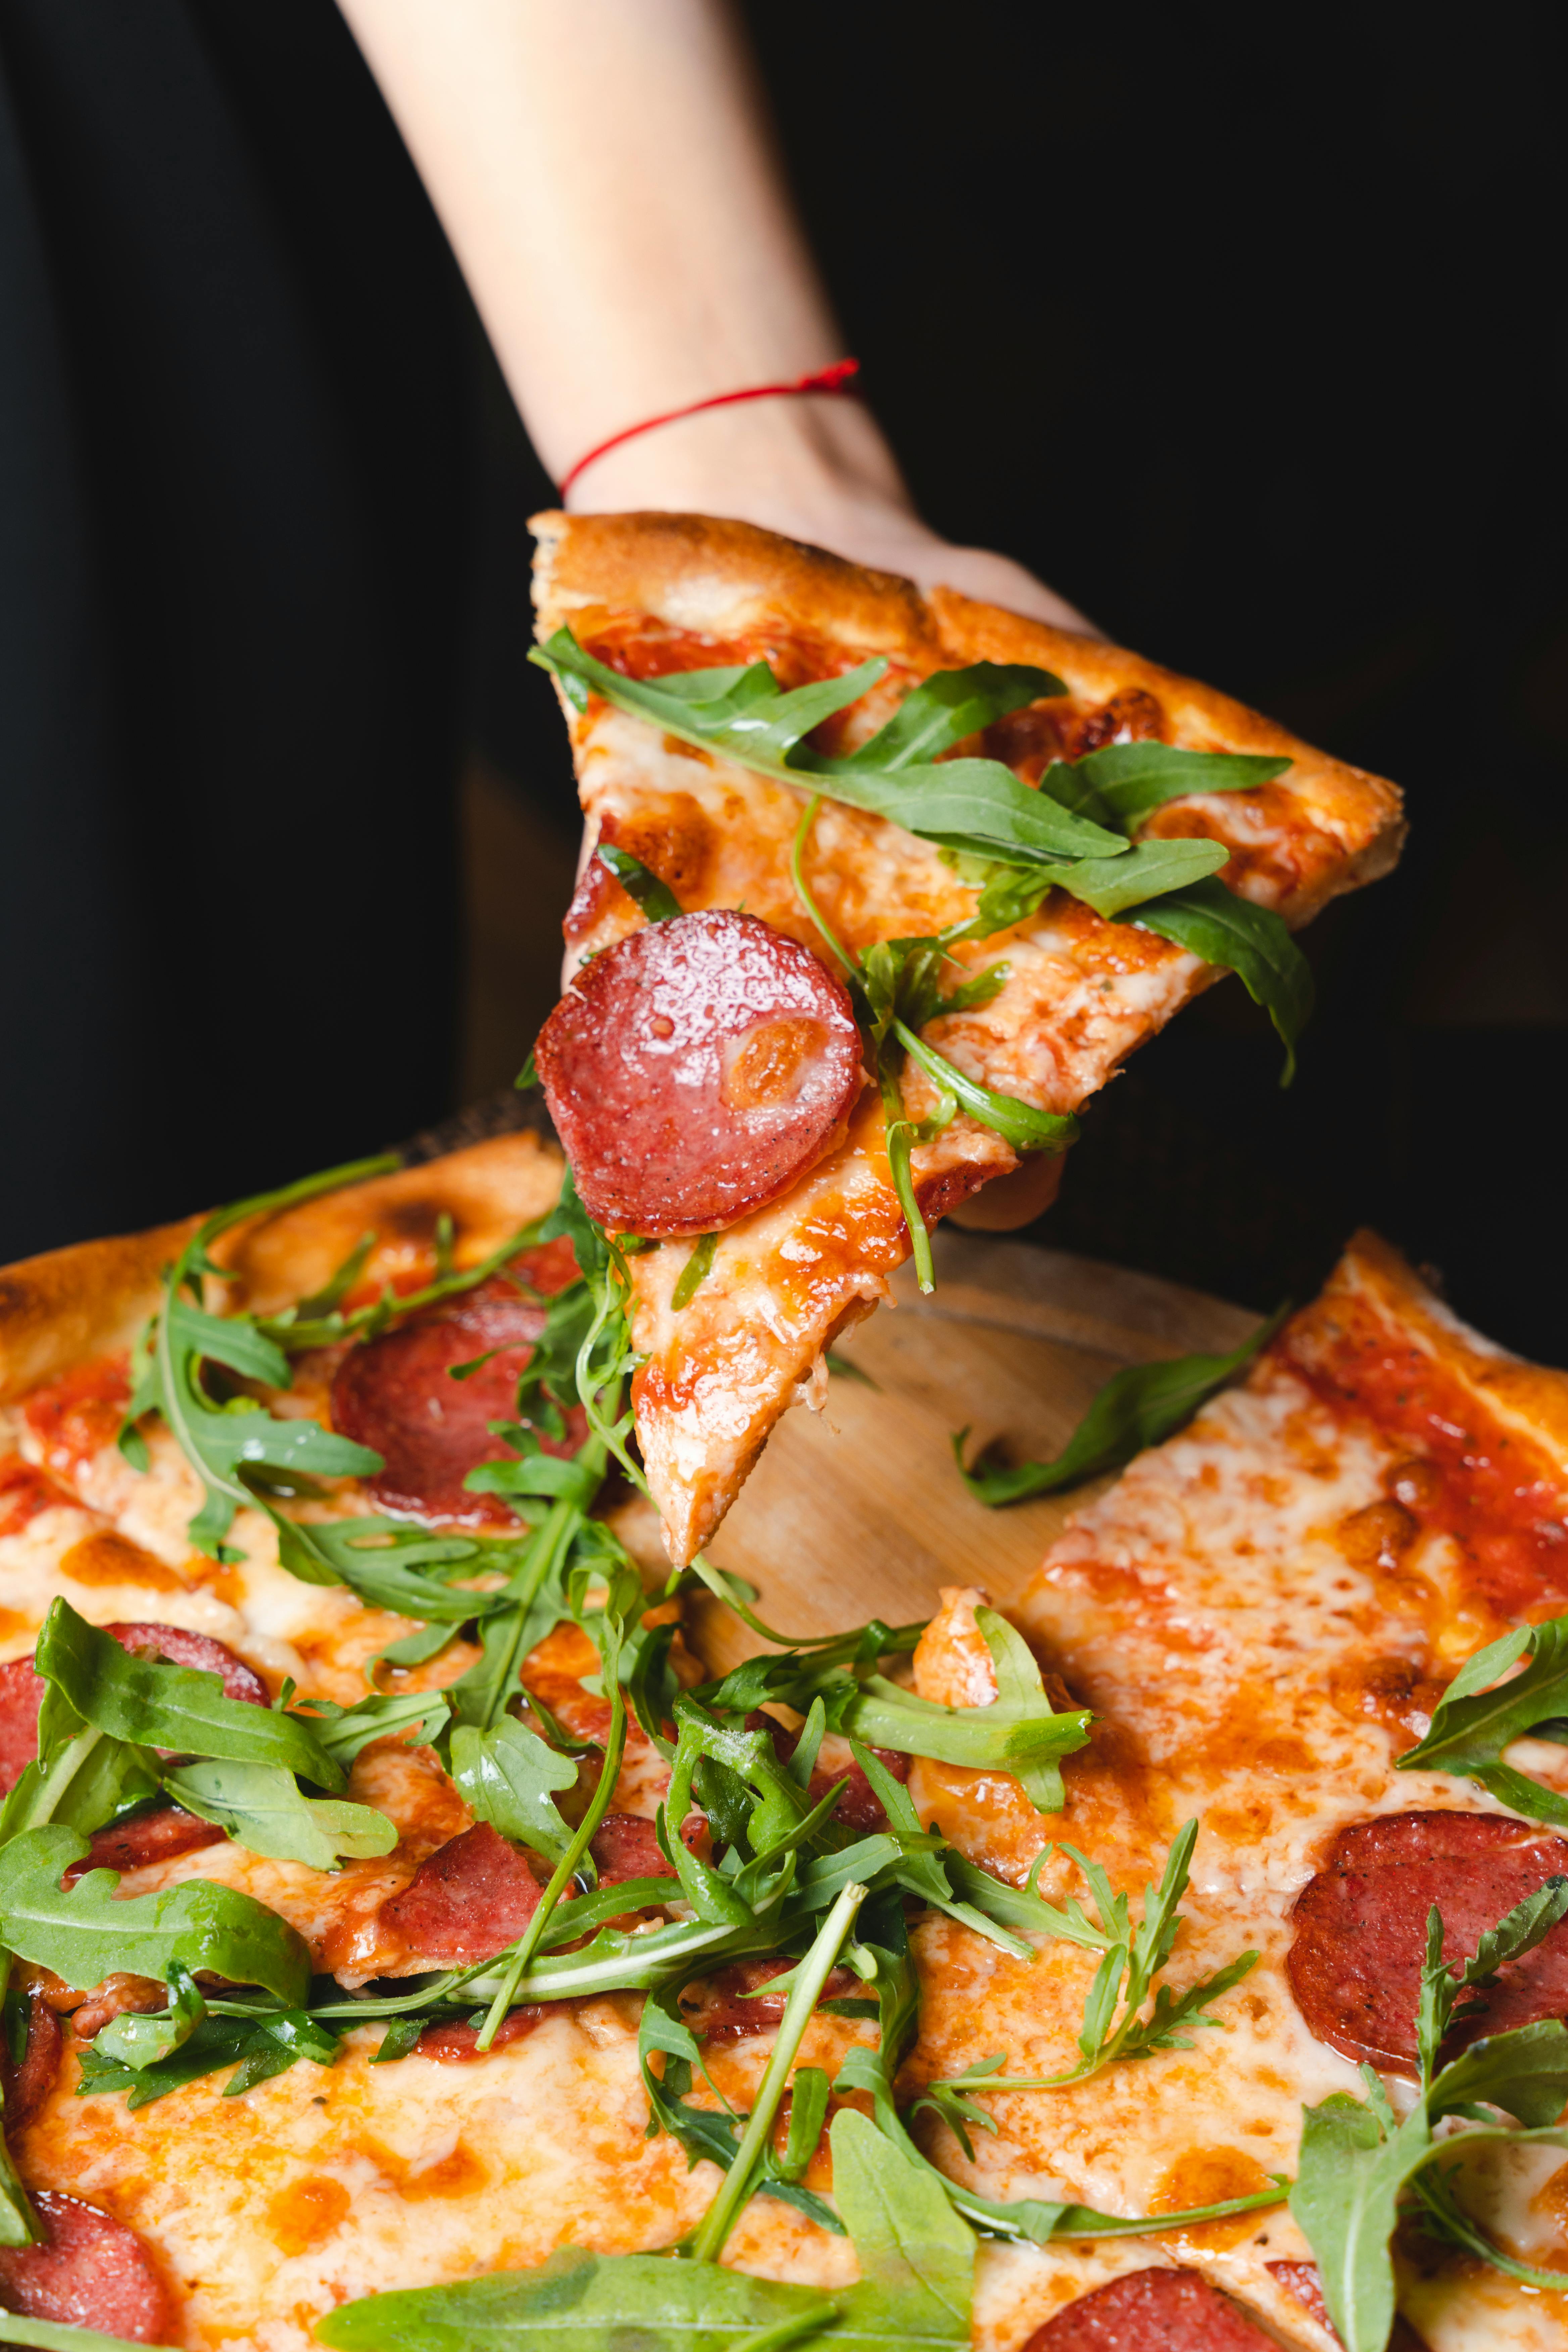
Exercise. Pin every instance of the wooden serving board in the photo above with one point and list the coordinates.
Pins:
(859, 1511)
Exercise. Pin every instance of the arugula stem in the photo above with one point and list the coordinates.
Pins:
(797, 853)
(18, 2223)
(614, 1746)
(810, 1976)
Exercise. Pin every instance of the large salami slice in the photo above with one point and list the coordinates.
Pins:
(1152, 2311)
(397, 1394)
(470, 1899)
(696, 1070)
(92, 2272)
(27, 2083)
(626, 1846)
(21, 1690)
(1360, 1929)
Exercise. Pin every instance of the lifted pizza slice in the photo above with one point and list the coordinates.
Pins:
(884, 889)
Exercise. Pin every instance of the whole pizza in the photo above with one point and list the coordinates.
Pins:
(413, 1941)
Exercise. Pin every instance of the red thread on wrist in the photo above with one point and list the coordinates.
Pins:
(837, 378)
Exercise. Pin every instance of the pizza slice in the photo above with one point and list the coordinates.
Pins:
(884, 888)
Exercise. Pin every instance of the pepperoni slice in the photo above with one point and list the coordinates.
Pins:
(626, 1846)
(92, 2272)
(1302, 2281)
(1152, 2311)
(396, 1395)
(28, 2083)
(470, 1899)
(455, 2044)
(1360, 1930)
(695, 1070)
(146, 1838)
(21, 1690)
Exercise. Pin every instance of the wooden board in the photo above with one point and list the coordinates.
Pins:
(859, 1511)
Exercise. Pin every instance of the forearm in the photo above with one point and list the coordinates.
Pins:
(607, 174)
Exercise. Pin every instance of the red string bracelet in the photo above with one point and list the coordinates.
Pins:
(837, 378)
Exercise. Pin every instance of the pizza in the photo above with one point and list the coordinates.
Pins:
(408, 1943)
(818, 804)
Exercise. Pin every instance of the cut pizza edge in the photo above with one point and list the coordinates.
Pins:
(722, 1364)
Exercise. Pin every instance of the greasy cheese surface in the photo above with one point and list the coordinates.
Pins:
(1256, 1621)
(1081, 994)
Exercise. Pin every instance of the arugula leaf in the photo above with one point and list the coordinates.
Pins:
(229, 1444)
(1443, 1988)
(18, 2221)
(263, 2042)
(916, 2258)
(509, 1776)
(56, 2335)
(262, 1808)
(1131, 1958)
(1480, 1713)
(695, 1272)
(388, 1564)
(1253, 942)
(657, 899)
(1019, 1682)
(140, 2039)
(949, 706)
(1444, 2217)
(80, 1777)
(1018, 1122)
(85, 1934)
(591, 2303)
(345, 1731)
(155, 1705)
(1121, 783)
(1345, 2202)
(1136, 1408)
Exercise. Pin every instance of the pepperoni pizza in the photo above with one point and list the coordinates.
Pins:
(299, 2074)
(700, 1070)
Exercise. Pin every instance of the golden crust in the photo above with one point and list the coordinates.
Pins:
(697, 572)
(487, 1191)
(68, 1304)
(71, 1303)
(1530, 1397)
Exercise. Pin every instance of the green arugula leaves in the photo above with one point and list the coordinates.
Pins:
(1131, 1958)
(1482, 1711)
(1136, 1408)
(85, 1933)
(1359, 2160)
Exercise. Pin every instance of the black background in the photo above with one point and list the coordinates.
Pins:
(1243, 330)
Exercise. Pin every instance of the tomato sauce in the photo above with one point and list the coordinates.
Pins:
(78, 1416)
(24, 1491)
(1460, 1473)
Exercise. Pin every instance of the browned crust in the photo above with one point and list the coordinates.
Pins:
(1531, 1396)
(699, 572)
(71, 1303)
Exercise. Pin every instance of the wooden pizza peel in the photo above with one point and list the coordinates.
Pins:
(859, 1511)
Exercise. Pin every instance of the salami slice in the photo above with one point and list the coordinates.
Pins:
(27, 2083)
(469, 1901)
(21, 1690)
(396, 1395)
(858, 1808)
(1152, 2311)
(1360, 1930)
(626, 1846)
(455, 2045)
(92, 2272)
(146, 1838)
(696, 1070)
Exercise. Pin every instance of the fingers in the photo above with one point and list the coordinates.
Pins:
(1009, 1201)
